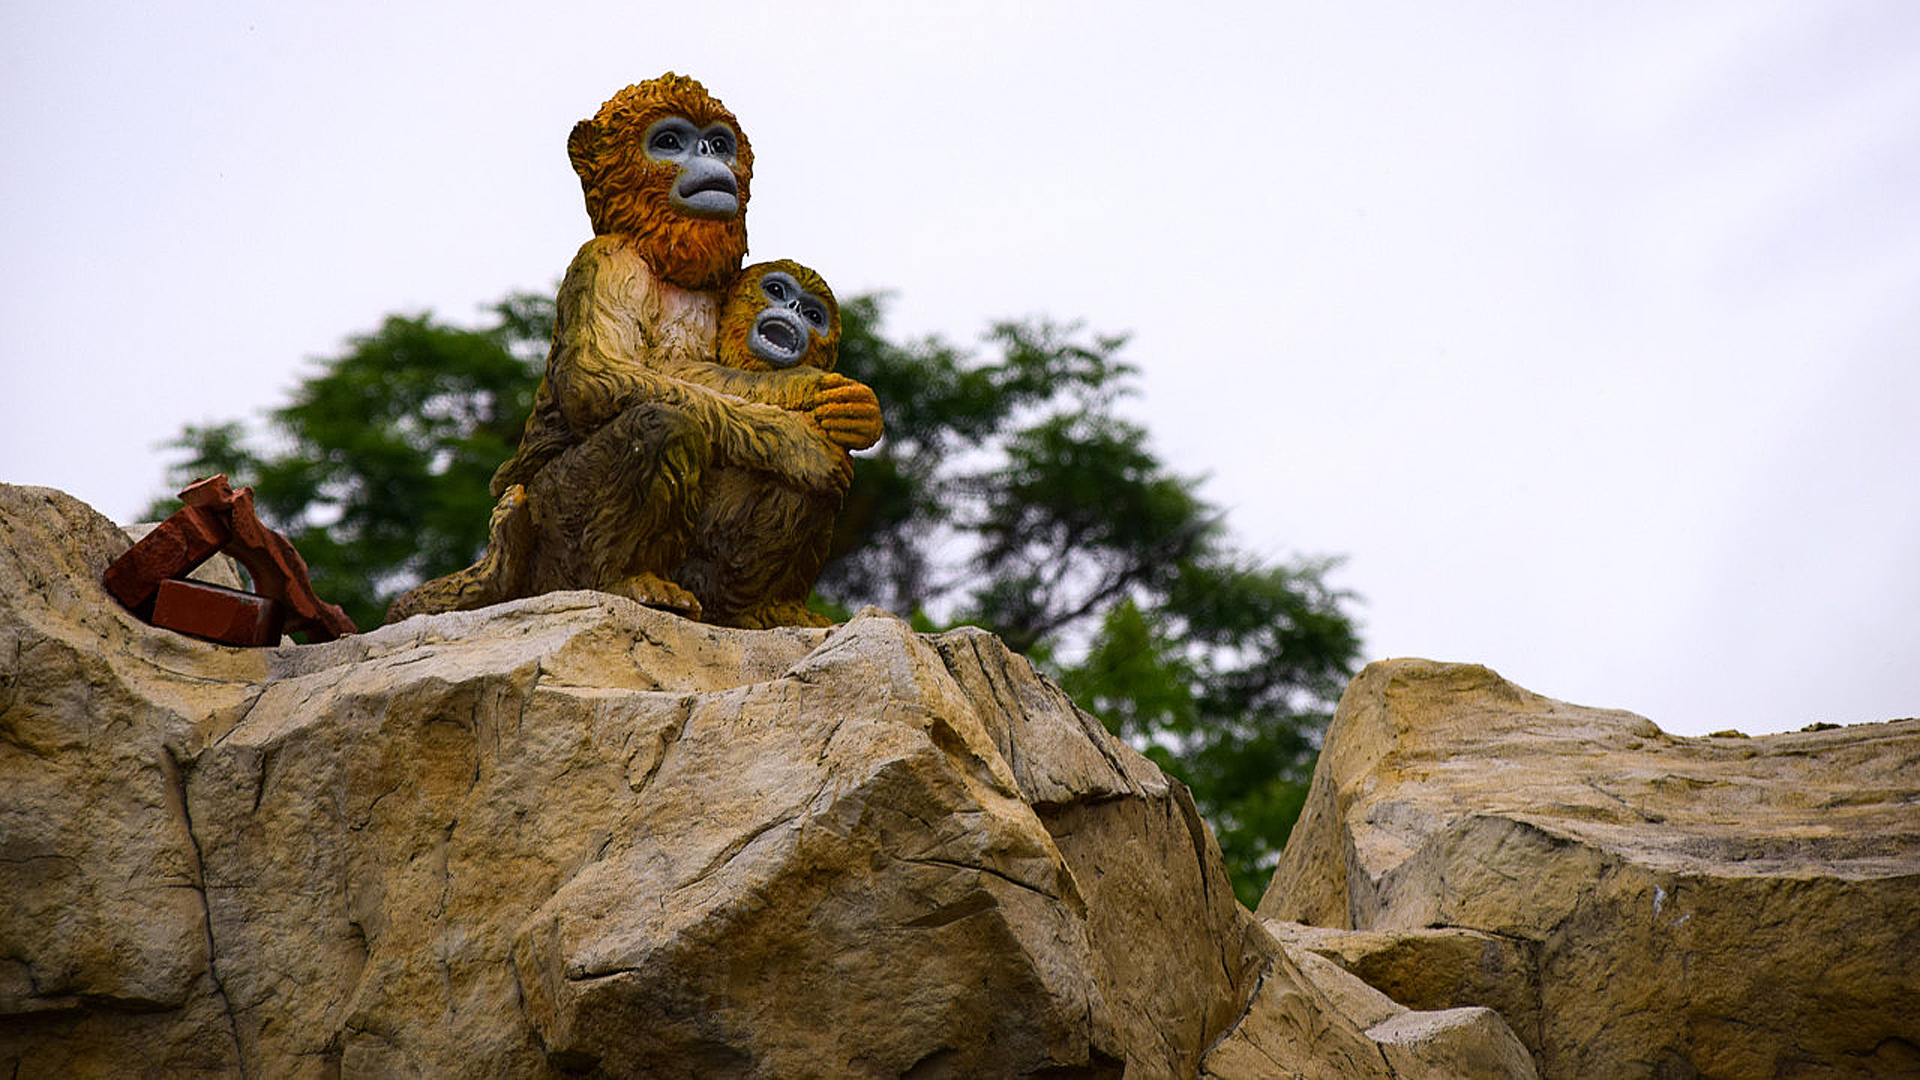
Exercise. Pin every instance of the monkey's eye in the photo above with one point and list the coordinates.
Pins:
(666, 142)
(720, 142)
(775, 289)
(815, 315)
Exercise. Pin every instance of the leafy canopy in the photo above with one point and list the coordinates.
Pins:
(1009, 492)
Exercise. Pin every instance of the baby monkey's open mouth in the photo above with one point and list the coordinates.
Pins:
(778, 338)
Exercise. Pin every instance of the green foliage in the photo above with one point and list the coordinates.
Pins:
(1011, 494)
(1008, 492)
(379, 466)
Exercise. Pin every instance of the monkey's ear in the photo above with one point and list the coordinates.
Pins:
(583, 146)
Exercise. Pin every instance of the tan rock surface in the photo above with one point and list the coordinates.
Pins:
(1310, 1018)
(1434, 969)
(574, 836)
(1715, 907)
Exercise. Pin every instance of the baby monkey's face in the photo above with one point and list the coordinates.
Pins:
(779, 315)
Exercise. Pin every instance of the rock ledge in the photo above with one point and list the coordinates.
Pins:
(573, 836)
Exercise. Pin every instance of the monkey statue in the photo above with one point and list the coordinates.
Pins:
(607, 486)
(761, 540)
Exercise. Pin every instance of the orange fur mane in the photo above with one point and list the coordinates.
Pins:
(628, 194)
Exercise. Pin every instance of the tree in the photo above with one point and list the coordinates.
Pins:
(1009, 492)
(380, 463)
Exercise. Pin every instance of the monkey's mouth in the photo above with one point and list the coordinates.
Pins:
(777, 338)
(720, 182)
(706, 188)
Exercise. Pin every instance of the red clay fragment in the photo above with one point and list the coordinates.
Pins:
(217, 515)
(279, 571)
(173, 549)
(211, 491)
(227, 616)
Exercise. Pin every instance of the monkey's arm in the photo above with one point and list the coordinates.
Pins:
(793, 388)
(604, 361)
(846, 411)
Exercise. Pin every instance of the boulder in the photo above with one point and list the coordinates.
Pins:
(1310, 1019)
(1636, 904)
(572, 836)
(1432, 969)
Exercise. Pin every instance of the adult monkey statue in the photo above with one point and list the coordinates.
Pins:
(607, 485)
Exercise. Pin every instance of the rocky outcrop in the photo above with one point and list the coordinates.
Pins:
(1635, 904)
(574, 836)
(1309, 1018)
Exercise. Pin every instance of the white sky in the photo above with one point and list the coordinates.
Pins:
(1585, 332)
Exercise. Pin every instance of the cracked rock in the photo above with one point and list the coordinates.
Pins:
(572, 836)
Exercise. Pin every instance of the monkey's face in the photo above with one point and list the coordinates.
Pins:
(665, 163)
(779, 315)
(703, 161)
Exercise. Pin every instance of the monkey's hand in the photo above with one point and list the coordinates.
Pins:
(847, 411)
(817, 465)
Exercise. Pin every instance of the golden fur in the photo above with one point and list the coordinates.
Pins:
(760, 540)
(627, 194)
(633, 408)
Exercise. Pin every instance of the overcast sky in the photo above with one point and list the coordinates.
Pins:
(1585, 333)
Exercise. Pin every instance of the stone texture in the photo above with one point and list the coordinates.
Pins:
(1434, 969)
(574, 836)
(1310, 1018)
(103, 932)
(1650, 905)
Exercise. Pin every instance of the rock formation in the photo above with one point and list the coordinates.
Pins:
(570, 835)
(573, 836)
(1633, 903)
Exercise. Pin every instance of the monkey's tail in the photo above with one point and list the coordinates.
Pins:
(499, 575)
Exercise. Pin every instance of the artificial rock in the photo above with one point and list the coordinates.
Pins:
(1636, 904)
(571, 835)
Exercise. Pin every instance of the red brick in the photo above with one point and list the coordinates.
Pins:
(279, 573)
(210, 491)
(227, 616)
(277, 569)
(174, 547)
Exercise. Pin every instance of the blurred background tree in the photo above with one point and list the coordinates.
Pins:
(1009, 492)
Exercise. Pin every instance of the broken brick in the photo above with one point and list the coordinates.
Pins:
(219, 614)
(173, 549)
(217, 518)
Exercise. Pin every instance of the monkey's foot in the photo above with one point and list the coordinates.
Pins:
(657, 592)
(779, 613)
